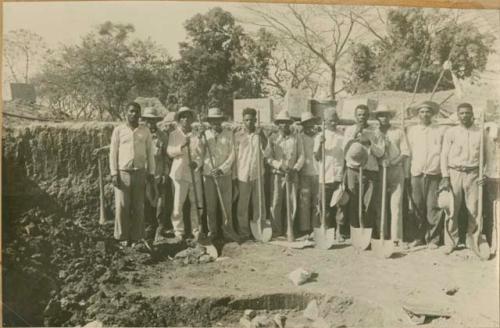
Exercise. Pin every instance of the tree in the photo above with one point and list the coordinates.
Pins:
(324, 31)
(414, 47)
(219, 62)
(100, 75)
(22, 48)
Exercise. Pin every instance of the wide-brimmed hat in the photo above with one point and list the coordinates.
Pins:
(383, 109)
(446, 202)
(307, 117)
(151, 112)
(433, 106)
(183, 109)
(215, 113)
(283, 116)
(357, 154)
(340, 196)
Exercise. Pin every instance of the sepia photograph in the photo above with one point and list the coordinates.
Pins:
(252, 165)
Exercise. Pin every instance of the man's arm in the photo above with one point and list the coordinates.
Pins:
(300, 154)
(113, 152)
(174, 148)
(150, 156)
(447, 143)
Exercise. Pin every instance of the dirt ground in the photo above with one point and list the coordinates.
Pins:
(375, 288)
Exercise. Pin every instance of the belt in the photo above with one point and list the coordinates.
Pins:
(464, 168)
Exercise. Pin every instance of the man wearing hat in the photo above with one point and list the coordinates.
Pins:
(395, 158)
(308, 177)
(460, 170)
(156, 207)
(218, 146)
(362, 147)
(285, 154)
(334, 171)
(246, 170)
(179, 141)
(131, 162)
(425, 140)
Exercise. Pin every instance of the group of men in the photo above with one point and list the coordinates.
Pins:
(277, 176)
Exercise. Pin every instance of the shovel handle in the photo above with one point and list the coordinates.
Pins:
(360, 197)
(102, 216)
(383, 209)
(195, 191)
(289, 225)
(323, 171)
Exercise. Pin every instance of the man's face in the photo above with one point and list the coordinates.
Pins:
(284, 127)
(133, 115)
(151, 124)
(185, 120)
(331, 124)
(425, 115)
(216, 124)
(384, 120)
(361, 115)
(466, 116)
(249, 122)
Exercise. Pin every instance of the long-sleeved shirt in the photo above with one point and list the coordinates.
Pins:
(180, 170)
(425, 147)
(131, 149)
(310, 166)
(222, 150)
(162, 161)
(285, 151)
(461, 147)
(396, 144)
(375, 149)
(246, 147)
(334, 159)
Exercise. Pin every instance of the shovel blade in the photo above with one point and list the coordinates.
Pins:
(382, 248)
(478, 244)
(267, 231)
(256, 229)
(324, 238)
(361, 237)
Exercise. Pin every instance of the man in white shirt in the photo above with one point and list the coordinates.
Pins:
(179, 141)
(218, 146)
(246, 148)
(131, 162)
(334, 171)
(368, 137)
(460, 170)
(425, 141)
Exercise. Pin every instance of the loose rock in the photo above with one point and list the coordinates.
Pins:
(300, 276)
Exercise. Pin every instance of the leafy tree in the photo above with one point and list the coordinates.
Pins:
(98, 76)
(219, 62)
(416, 44)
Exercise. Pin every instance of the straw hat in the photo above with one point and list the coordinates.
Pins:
(339, 196)
(215, 113)
(383, 109)
(357, 154)
(446, 202)
(151, 112)
(433, 106)
(283, 116)
(182, 110)
(306, 117)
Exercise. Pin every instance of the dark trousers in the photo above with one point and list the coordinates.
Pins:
(371, 199)
(335, 216)
(159, 215)
(491, 193)
(424, 191)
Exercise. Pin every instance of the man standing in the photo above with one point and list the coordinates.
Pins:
(217, 146)
(491, 194)
(131, 162)
(180, 141)
(334, 170)
(285, 154)
(396, 154)
(156, 212)
(460, 169)
(425, 141)
(246, 148)
(308, 177)
(371, 144)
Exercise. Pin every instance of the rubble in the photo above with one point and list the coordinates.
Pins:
(300, 276)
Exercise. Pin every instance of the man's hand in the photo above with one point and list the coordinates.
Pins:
(321, 139)
(150, 178)
(193, 165)
(216, 173)
(115, 179)
(445, 184)
(481, 182)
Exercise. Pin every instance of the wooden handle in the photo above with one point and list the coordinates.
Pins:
(383, 210)
(360, 198)
(195, 191)
(289, 226)
(323, 171)
(102, 216)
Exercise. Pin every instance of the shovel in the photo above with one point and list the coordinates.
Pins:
(361, 236)
(381, 247)
(210, 248)
(260, 227)
(477, 240)
(323, 237)
(494, 230)
(289, 224)
(102, 215)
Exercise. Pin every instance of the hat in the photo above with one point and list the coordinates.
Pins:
(357, 154)
(383, 109)
(434, 107)
(215, 113)
(339, 196)
(150, 112)
(283, 116)
(446, 202)
(181, 110)
(307, 116)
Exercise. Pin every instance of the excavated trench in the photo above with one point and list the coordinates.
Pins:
(61, 268)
